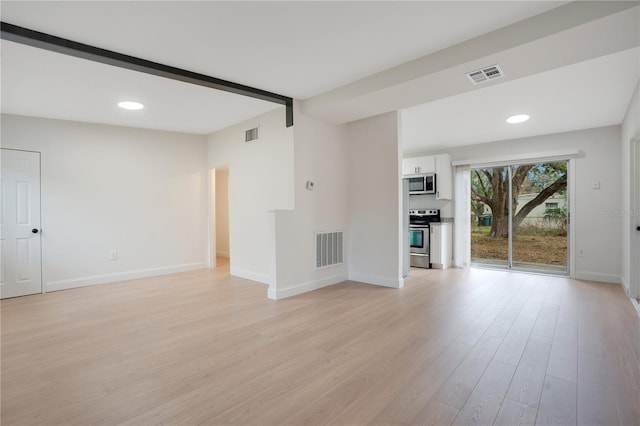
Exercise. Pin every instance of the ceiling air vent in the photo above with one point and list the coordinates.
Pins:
(251, 134)
(485, 74)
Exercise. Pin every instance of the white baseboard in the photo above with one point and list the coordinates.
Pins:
(249, 275)
(377, 280)
(635, 304)
(625, 286)
(305, 287)
(121, 276)
(596, 276)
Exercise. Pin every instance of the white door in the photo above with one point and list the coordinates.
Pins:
(20, 262)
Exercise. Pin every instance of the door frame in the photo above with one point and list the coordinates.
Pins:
(212, 222)
(212, 218)
(571, 186)
(634, 218)
(43, 287)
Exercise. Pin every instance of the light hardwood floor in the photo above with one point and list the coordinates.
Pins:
(451, 347)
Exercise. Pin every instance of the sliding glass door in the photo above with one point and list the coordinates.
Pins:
(520, 217)
(489, 224)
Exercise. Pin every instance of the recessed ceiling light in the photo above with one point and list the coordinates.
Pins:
(130, 105)
(518, 118)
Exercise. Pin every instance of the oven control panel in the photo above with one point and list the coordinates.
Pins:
(424, 212)
(423, 217)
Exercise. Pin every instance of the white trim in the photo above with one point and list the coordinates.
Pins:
(377, 280)
(538, 157)
(571, 185)
(597, 276)
(248, 275)
(122, 276)
(211, 223)
(635, 304)
(43, 289)
(277, 294)
(625, 286)
(634, 207)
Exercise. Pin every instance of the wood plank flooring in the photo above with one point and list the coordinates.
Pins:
(452, 347)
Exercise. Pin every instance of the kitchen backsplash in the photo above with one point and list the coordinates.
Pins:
(427, 201)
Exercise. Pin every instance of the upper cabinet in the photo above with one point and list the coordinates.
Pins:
(417, 165)
(444, 177)
(438, 164)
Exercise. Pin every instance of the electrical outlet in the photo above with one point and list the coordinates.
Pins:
(113, 255)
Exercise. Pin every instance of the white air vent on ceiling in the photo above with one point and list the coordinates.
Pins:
(485, 74)
(251, 134)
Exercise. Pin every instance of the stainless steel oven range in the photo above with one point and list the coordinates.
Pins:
(419, 221)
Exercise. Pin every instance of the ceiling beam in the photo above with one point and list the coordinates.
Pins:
(80, 50)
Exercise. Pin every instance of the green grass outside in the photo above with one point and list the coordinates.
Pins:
(534, 245)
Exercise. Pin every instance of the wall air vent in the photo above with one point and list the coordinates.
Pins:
(251, 134)
(485, 74)
(329, 247)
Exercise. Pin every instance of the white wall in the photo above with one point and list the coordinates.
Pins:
(630, 129)
(260, 180)
(222, 211)
(320, 155)
(598, 228)
(374, 173)
(140, 192)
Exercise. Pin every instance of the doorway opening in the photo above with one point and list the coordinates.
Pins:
(220, 250)
(520, 217)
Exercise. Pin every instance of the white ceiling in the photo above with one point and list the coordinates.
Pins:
(320, 51)
(70, 88)
(588, 94)
(294, 48)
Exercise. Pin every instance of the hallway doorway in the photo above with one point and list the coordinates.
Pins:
(220, 252)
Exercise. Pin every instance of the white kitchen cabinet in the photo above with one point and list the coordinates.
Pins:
(444, 177)
(438, 164)
(409, 166)
(417, 165)
(440, 245)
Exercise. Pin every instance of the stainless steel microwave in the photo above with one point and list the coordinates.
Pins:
(422, 184)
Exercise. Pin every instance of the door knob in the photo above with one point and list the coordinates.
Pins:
(34, 230)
